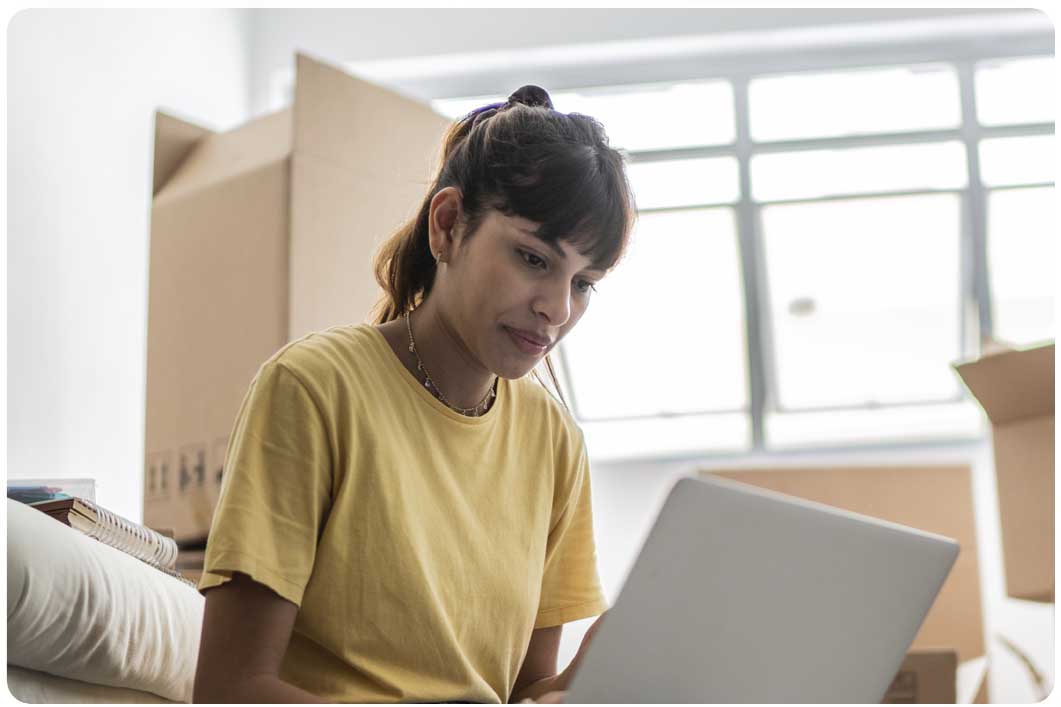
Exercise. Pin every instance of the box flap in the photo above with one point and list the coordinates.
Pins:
(174, 140)
(1012, 385)
(338, 220)
(362, 160)
(1024, 474)
(364, 126)
(220, 156)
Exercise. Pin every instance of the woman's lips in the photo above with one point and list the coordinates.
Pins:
(530, 346)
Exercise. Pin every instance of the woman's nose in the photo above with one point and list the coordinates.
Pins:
(554, 304)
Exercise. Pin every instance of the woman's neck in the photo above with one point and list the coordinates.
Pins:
(455, 371)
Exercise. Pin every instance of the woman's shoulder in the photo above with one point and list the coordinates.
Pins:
(540, 403)
(546, 423)
(319, 358)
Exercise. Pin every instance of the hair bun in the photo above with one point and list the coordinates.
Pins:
(531, 95)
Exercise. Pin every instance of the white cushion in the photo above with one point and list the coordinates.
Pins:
(82, 610)
(41, 688)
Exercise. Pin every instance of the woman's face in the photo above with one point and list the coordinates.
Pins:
(513, 296)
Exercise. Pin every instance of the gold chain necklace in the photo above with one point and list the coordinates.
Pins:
(476, 411)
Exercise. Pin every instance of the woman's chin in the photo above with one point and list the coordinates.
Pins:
(512, 369)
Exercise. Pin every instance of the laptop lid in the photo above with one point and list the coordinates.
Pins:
(745, 595)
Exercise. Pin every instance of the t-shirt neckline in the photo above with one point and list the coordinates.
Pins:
(395, 364)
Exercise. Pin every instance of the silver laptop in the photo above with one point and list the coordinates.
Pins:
(746, 595)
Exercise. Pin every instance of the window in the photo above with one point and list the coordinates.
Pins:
(679, 286)
(1021, 239)
(455, 108)
(854, 102)
(1016, 91)
(694, 114)
(1017, 161)
(858, 170)
(845, 335)
(1021, 226)
(867, 191)
(659, 185)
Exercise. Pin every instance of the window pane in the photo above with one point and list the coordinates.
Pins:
(455, 108)
(1021, 240)
(864, 300)
(906, 423)
(655, 437)
(815, 173)
(1016, 91)
(854, 102)
(658, 117)
(665, 332)
(1017, 160)
(645, 117)
(684, 182)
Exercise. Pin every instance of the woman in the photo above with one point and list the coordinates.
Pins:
(405, 515)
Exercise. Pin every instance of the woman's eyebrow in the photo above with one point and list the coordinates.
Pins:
(553, 245)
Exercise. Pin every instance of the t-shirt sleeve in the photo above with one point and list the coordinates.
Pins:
(570, 585)
(276, 488)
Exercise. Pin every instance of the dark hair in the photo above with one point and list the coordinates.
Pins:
(524, 159)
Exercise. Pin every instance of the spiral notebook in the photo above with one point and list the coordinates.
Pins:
(111, 529)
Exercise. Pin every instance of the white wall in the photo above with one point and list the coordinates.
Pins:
(83, 86)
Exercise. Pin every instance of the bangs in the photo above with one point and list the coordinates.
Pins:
(579, 199)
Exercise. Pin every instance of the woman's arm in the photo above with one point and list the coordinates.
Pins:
(537, 677)
(246, 629)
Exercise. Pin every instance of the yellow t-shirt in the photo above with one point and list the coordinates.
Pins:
(422, 546)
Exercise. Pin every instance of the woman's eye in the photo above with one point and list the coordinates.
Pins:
(584, 286)
(533, 260)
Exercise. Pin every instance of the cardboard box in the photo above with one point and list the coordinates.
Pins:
(925, 677)
(190, 562)
(260, 235)
(933, 677)
(938, 499)
(1016, 390)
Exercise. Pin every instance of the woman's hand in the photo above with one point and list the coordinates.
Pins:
(557, 697)
(572, 667)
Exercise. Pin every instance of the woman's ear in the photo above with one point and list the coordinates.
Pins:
(443, 219)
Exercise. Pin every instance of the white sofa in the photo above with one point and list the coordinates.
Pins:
(88, 623)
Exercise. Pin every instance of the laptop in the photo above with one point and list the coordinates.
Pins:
(742, 595)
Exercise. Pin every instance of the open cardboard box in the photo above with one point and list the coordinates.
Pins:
(1016, 390)
(933, 677)
(260, 235)
(937, 499)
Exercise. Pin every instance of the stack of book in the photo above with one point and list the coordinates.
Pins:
(97, 522)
